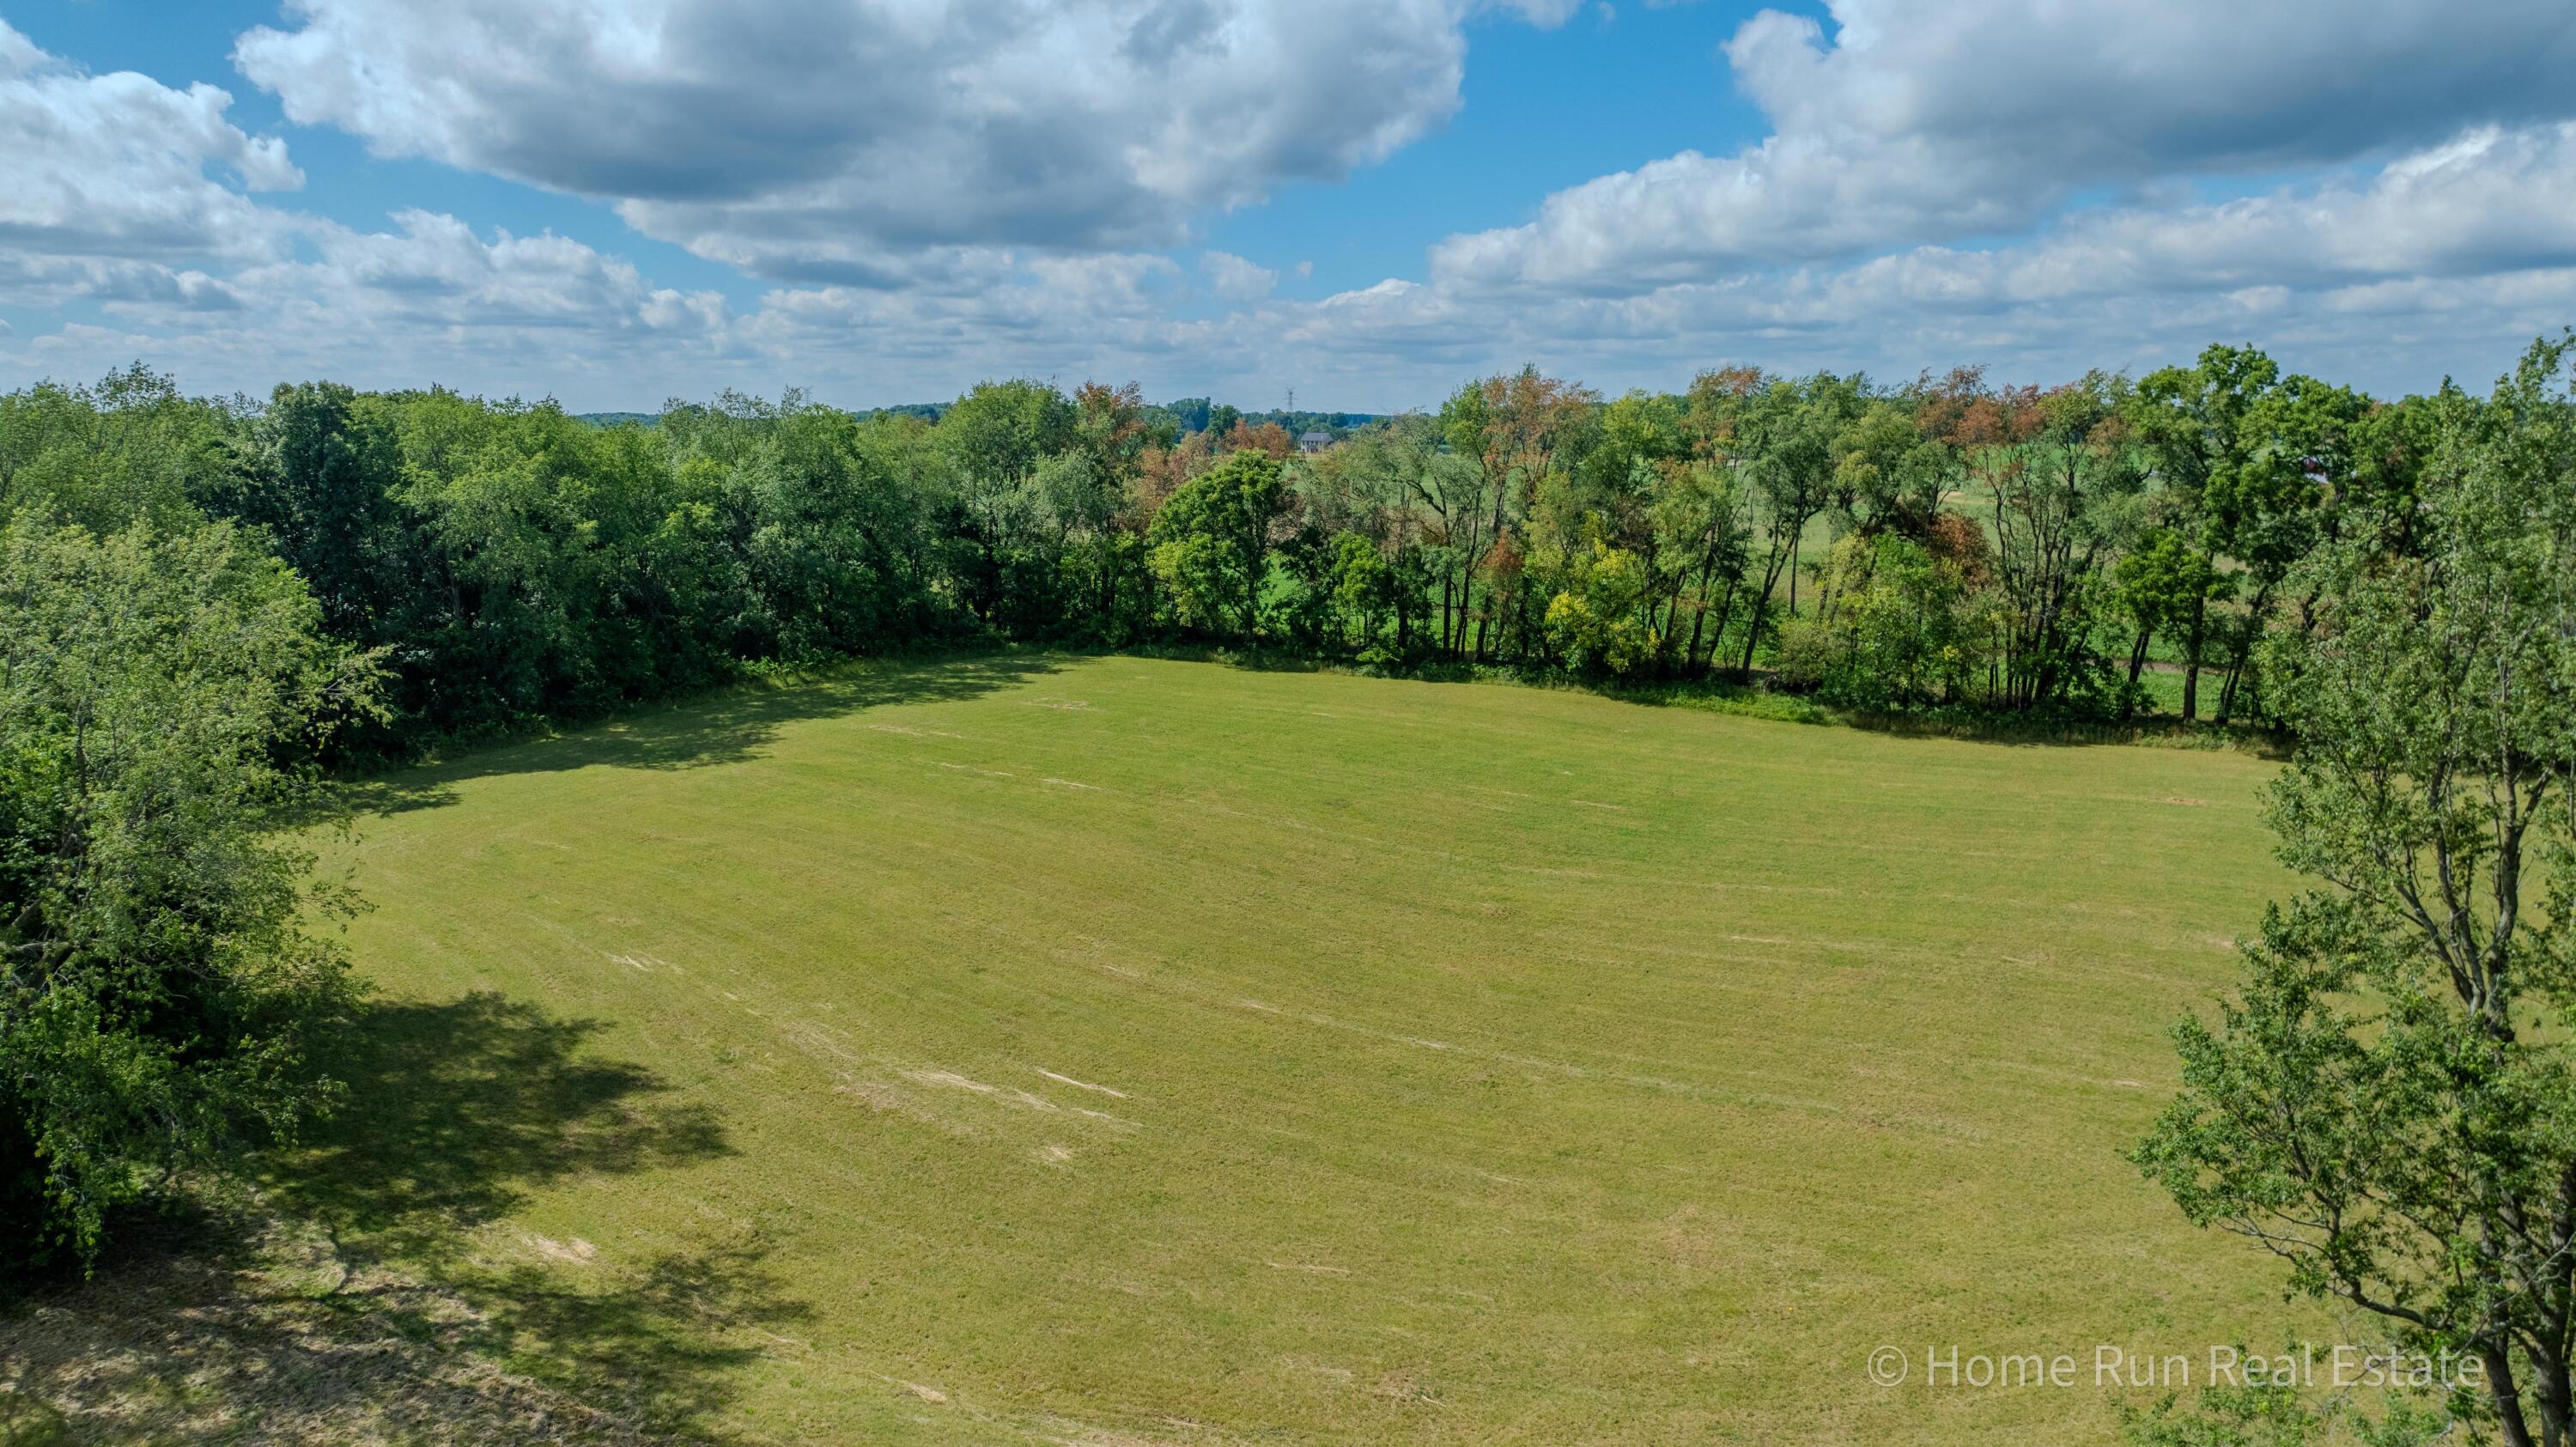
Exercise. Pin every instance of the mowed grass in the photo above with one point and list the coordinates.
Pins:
(1135, 1051)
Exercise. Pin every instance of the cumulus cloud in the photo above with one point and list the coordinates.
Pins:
(2489, 203)
(434, 271)
(872, 142)
(122, 166)
(428, 301)
(1914, 124)
(142, 200)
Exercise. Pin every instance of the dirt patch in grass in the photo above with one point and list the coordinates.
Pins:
(371, 1287)
(256, 1331)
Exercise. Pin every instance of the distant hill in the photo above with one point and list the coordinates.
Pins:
(1190, 414)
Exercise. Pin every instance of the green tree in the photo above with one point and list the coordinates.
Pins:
(1211, 541)
(327, 469)
(1702, 547)
(1600, 621)
(156, 987)
(128, 447)
(2064, 500)
(2167, 586)
(1889, 477)
(993, 441)
(2388, 1102)
(2248, 459)
(1897, 627)
(1783, 438)
(1363, 587)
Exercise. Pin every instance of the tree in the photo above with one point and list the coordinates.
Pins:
(2063, 503)
(993, 441)
(323, 487)
(2388, 1102)
(1211, 542)
(1363, 587)
(2247, 457)
(1888, 476)
(1897, 628)
(1783, 438)
(1517, 430)
(1599, 621)
(157, 989)
(2166, 586)
(1702, 547)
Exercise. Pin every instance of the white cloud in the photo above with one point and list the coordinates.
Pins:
(122, 166)
(1917, 124)
(1235, 279)
(874, 142)
(428, 302)
(2487, 204)
(139, 199)
(435, 272)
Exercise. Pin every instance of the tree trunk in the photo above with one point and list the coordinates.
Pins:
(2507, 1398)
(1725, 615)
(1699, 620)
(2244, 651)
(2191, 660)
(1753, 633)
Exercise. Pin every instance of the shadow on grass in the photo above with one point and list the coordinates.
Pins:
(729, 725)
(457, 1110)
(1755, 699)
(367, 1288)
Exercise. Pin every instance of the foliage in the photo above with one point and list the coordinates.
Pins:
(1600, 622)
(2388, 1104)
(157, 989)
(1211, 542)
(2283, 1414)
(517, 566)
(1900, 628)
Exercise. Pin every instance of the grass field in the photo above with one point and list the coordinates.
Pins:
(1136, 1052)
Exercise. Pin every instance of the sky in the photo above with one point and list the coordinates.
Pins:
(1362, 203)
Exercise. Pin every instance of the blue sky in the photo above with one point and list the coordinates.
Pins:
(1543, 109)
(612, 201)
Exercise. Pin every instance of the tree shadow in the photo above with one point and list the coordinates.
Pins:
(456, 1111)
(729, 725)
(363, 1287)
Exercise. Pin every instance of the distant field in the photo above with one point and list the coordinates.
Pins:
(1116, 1051)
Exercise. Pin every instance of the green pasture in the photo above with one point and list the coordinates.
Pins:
(1114, 1051)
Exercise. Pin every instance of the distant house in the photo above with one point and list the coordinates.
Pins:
(1314, 441)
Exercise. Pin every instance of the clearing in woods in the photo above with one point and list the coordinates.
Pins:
(1099, 1049)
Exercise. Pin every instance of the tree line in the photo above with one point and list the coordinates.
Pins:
(1945, 544)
